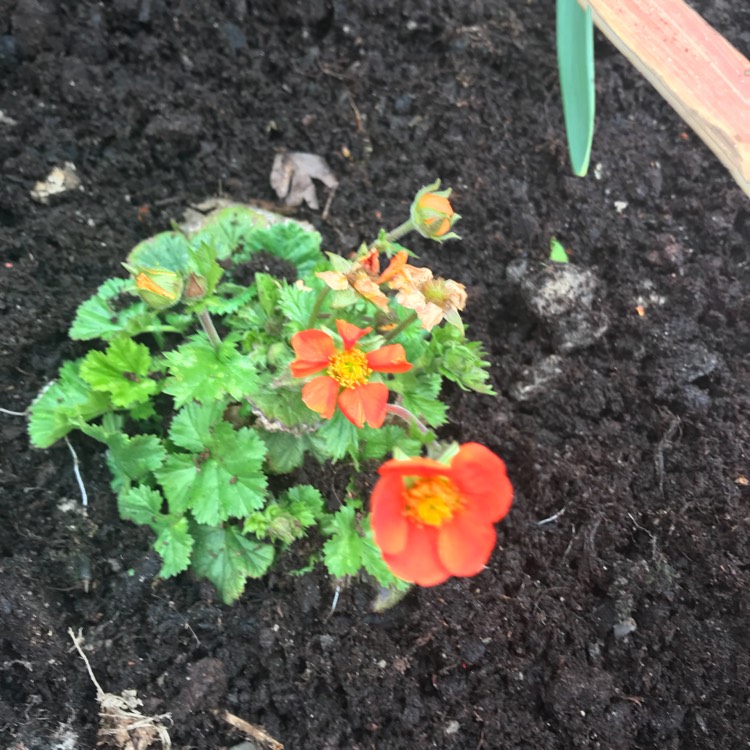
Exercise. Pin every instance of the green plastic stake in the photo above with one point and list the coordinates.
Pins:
(575, 61)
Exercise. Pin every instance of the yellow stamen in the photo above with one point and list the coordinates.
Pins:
(432, 501)
(349, 368)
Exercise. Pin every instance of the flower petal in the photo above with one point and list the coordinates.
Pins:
(389, 525)
(320, 395)
(350, 333)
(482, 480)
(313, 349)
(419, 562)
(334, 279)
(398, 261)
(414, 467)
(391, 358)
(465, 547)
(365, 403)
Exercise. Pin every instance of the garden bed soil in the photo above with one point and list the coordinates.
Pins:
(619, 622)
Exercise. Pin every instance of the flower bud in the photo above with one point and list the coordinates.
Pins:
(157, 287)
(195, 288)
(432, 214)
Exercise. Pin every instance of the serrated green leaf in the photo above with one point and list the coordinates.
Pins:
(373, 562)
(228, 559)
(192, 428)
(229, 230)
(122, 371)
(131, 459)
(343, 552)
(198, 372)
(459, 360)
(142, 505)
(337, 438)
(304, 502)
(285, 452)
(167, 250)
(174, 545)
(297, 303)
(63, 405)
(420, 394)
(269, 290)
(291, 242)
(103, 316)
(224, 481)
(382, 442)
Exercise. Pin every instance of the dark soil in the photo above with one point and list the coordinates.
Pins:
(632, 430)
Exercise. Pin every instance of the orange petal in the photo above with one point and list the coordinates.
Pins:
(391, 358)
(398, 261)
(465, 547)
(365, 403)
(313, 349)
(483, 482)
(350, 333)
(414, 467)
(419, 562)
(320, 395)
(334, 280)
(389, 526)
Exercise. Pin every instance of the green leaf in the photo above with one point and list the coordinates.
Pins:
(192, 428)
(373, 563)
(337, 438)
(575, 59)
(343, 552)
(228, 559)
(285, 452)
(131, 459)
(380, 443)
(122, 371)
(225, 480)
(557, 252)
(230, 230)
(63, 406)
(168, 250)
(269, 290)
(297, 303)
(104, 316)
(459, 360)
(199, 372)
(420, 393)
(291, 242)
(174, 544)
(142, 505)
(305, 503)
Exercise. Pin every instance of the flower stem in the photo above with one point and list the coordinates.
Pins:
(209, 328)
(407, 416)
(405, 323)
(322, 294)
(400, 231)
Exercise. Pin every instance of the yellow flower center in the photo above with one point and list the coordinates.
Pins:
(432, 501)
(349, 368)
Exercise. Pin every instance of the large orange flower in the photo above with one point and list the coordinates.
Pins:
(432, 521)
(347, 373)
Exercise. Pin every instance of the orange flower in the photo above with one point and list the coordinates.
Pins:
(432, 521)
(347, 373)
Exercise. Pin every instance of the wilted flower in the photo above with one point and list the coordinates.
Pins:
(359, 276)
(432, 213)
(431, 298)
(347, 373)
(432, 521)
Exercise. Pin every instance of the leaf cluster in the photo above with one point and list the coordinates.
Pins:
(195, 432)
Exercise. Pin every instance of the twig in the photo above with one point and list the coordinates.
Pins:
(77, 472)
(552, 518)
(250, 730)
(329, 200)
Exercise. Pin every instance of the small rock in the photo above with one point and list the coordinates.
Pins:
(622, 629)
(535, 379)
(452, 727)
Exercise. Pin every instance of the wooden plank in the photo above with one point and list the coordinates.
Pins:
(702, 76)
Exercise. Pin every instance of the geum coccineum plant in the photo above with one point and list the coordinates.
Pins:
(217, 376)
